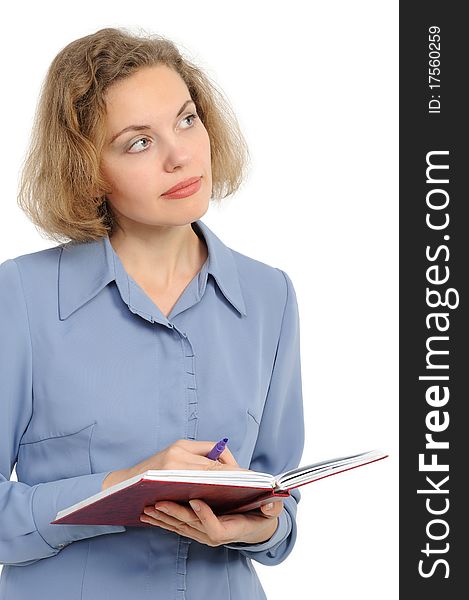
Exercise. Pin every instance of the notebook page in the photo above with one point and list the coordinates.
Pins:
(309, 473)
(237, 478)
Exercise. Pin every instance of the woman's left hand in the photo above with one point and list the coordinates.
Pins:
(205, 527)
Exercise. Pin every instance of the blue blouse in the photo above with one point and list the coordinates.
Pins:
(94, 378)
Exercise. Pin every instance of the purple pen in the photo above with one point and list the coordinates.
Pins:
(217, 449)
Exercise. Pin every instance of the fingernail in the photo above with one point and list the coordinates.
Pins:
(194, 505)
(269, 506)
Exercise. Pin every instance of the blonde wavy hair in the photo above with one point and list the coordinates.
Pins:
(62, 190)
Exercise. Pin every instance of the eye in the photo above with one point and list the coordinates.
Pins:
(192, 116)
(137, 142)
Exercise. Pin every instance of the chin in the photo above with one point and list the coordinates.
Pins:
(190, 211)
(183, 214)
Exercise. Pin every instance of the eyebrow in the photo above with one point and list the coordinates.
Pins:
(142, 127)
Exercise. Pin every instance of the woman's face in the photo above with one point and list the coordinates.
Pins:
(140, 166)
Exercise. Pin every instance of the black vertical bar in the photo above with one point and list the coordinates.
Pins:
(433, 271)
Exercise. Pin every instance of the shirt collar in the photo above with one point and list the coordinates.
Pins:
(85, 268)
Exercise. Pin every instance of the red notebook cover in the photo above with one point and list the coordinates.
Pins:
(125, 506)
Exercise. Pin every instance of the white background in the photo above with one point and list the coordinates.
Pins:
(314, 87)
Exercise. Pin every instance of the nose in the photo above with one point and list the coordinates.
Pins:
(176, 153)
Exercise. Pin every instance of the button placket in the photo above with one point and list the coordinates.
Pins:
(181, 569)
(190, 384)
(191, 434)
(191, 390)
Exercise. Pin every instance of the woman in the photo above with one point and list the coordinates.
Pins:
(142, 340)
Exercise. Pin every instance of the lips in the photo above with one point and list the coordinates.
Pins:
(181, 185)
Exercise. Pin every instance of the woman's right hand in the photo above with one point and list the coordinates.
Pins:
(182, 454)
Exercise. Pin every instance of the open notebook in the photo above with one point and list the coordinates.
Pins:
(225, 491)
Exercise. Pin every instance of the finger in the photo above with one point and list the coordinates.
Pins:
(202, 448)
(216, 465)
(232, 468)
(196, 530)
(227, 458)
(173, 514)
(179, 528)
(213, 528)
(272, 509)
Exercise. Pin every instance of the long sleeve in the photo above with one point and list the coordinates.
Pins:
(26, 535)
(280, 441)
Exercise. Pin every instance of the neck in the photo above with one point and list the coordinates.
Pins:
(161, 254)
